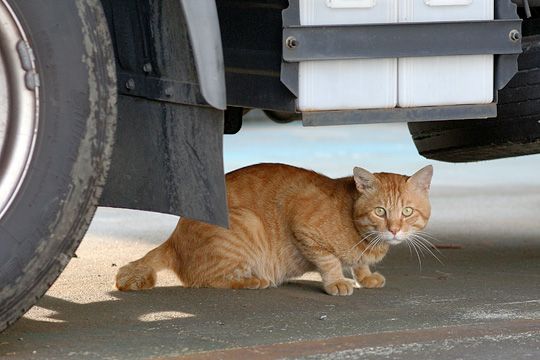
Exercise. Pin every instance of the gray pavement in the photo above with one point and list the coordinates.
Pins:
(481, 302)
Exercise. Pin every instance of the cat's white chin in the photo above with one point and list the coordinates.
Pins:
(394, 239)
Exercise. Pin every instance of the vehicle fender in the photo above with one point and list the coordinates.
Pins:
(203, 27)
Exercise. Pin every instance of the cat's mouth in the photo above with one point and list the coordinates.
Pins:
(394, 239)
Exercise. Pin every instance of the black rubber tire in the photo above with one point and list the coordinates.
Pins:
(515, 131)
(77, 116)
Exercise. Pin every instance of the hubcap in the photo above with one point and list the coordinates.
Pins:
(19, 96)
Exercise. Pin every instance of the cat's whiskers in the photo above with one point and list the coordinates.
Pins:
(425, 233)
(378, 241)
(409, 246)
(420, 240)
(369, 234)
(421, 235)
(411, 241)
(372, 244)
(426, 236)
(366, 249)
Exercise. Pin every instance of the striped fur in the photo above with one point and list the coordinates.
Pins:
(285, 221)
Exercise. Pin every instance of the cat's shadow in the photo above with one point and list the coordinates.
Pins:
(175, 304)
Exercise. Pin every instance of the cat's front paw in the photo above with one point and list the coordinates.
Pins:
(342, 287)
(374, 280)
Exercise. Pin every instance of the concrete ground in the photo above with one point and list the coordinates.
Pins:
(481, 302)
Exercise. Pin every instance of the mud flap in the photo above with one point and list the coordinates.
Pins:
(168, 154)
(174, 167)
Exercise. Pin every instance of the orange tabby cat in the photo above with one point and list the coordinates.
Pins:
(285, 221)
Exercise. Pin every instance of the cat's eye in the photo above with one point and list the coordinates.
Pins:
(407, 211)
(379, 211)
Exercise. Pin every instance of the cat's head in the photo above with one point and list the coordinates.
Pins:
(392, 207)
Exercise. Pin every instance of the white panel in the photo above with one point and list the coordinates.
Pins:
(317, 12)
(347, 84)
(420, 11)
(445, 80)
(448, 80)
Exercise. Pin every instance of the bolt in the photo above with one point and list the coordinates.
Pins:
(291, 42)
(31, 80)
(147, 68)
(514, 35)
(130, 84)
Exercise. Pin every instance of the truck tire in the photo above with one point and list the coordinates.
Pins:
(57, 121)
(515, 131)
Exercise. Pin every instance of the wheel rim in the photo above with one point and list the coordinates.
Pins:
(19, 101)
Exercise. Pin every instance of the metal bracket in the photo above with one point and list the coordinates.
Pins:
(427, 113)
(305, 43)
(506, 66)
(289, 70)
(160, 89)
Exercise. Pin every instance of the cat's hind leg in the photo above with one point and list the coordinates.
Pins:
(238, 277)
(142, 274)
(250, 283)
(240, 257)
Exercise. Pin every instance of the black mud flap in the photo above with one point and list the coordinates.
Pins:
(168, 158)
(168, 154)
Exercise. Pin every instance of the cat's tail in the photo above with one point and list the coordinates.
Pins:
(142, 274)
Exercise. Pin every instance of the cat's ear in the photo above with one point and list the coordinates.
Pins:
(365, 181)
(422, 178)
